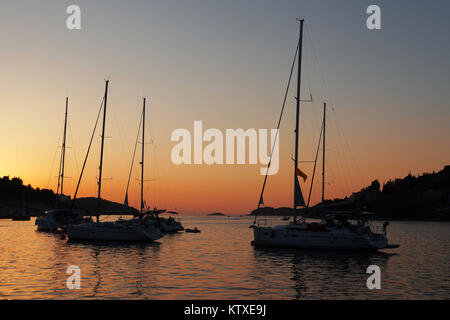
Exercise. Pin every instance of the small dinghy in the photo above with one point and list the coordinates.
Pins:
(195, 230)
(392, 246)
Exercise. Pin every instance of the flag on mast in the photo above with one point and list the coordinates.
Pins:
(300, 173)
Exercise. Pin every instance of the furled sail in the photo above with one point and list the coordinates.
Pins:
(298, 201)
(125, 203)
(261, 201)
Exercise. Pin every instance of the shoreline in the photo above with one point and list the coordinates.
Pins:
(379, 218)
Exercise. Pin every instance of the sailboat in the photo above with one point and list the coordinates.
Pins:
(165, 225)
(121, 230)
(335, 231)
(59, 217)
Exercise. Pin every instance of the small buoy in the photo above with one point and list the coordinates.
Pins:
(252, 243)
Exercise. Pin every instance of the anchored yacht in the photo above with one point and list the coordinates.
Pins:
(137, 229)
(121, 230)
(335, 231)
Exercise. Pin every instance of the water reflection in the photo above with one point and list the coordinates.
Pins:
(120, 264)
(329, 273)
(219, 263)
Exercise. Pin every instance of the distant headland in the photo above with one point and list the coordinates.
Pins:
(423, 197)
(17, 199)
(216, 214)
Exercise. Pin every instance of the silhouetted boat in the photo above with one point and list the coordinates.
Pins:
(58, 218)
(335, 232)
(136, 229)
(165, 225)
(195, 230)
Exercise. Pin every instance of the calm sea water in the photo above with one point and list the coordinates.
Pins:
(220, 263)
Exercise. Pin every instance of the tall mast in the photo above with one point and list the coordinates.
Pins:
(323, 145)
(63, 156)
(101, 152)
(142, 161)
(297, 117)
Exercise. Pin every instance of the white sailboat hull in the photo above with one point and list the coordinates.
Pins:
(334, 239)
(112, 232)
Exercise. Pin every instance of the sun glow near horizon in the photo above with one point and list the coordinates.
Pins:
(388, 112)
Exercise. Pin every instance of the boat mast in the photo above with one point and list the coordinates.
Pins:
(323, 145)
(59, 190)
(142, 161)
(63, 156)
(297, 117)
(101, 153)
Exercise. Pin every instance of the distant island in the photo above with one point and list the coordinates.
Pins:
(108, 207)
(216, 214)
(269, 211)
(423, 197)
(17, 199)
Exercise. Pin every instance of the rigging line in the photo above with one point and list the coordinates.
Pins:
(345, 179)
(59, 174)
(157, 189)
(339, 161)
(160, 191)
(315, 164)
(278, 127)
(346, 142)
(325, 87)
(327, 92)
(87, 153)
(134, 152)
(331, 173)
(308, 78)
(342, 156)
(166, 190)
(54, 157)
(122, 134)
(73, 148)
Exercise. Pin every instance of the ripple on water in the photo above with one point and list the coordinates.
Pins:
(219, 263)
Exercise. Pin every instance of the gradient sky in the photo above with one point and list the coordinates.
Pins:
(226, 63)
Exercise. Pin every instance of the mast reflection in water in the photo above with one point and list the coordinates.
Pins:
(220, 263)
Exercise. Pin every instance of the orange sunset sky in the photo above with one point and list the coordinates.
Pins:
(225, 63)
